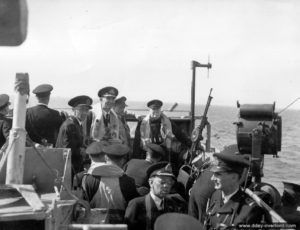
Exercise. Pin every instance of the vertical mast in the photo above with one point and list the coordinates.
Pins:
(17, 137)
(194, 65)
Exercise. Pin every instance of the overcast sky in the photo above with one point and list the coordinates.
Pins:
(145, 49)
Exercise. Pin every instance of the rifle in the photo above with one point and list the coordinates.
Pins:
(197, 136)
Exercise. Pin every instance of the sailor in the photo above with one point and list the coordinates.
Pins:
(229, 206)
(124, 131)
(105, 125)
(106, 185)
(42, 122)
(94, 151)
(204, 187)
(142, 212)
(71, 134)
(137, 168)
(157, 128)
(5, 122)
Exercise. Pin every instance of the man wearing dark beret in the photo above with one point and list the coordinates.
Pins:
(142, 212)
(137, 168)
(105, 125)
(42, 122)
(5, 123)
(106, 185)
(71, 133)
(229, 206)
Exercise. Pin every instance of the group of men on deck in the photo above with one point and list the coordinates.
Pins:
(136, 184)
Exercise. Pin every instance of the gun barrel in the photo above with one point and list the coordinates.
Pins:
(277, 218)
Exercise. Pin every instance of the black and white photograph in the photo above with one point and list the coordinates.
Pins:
(149, 114)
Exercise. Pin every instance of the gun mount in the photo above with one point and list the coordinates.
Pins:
(258, 132)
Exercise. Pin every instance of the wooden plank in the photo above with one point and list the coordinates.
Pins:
(29, 194)
(27, 215)
(95, 227)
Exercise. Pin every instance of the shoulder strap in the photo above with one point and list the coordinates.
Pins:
(148, 211)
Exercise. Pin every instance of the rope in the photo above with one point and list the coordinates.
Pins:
(4, 151)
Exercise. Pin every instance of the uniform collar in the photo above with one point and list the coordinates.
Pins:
(42, 104)
(79, 122)
(232, 203)
(105, 113)
(229, 207)
(157, 200)
(227, 198)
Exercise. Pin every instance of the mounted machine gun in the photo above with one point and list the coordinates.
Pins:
(258, 133)
(197, 136)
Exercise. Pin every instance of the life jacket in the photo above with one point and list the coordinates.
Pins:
(108, 197)
(157, 132)
(100, 130)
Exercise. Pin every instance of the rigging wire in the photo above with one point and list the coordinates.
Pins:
(289, 105)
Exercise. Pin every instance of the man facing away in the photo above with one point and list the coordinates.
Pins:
(71, 133)
(229, 206)
(142, 212)
(42, 122)
(5, 123)
(106, 185)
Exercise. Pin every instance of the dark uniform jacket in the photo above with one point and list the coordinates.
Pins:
(71, 136)
(200, 194)
(136, 214)
(43, 123)
(5, 126)
(239, 209)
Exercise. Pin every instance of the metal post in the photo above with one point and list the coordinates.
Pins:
(257, 156)
(17, 137)
(194, 65)
(193, 97)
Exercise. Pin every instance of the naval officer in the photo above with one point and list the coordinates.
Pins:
(5, 123)
(42, 122)
(229, 206)
(142, 212)
(105, 125)
(157, 128)
(71, 132)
